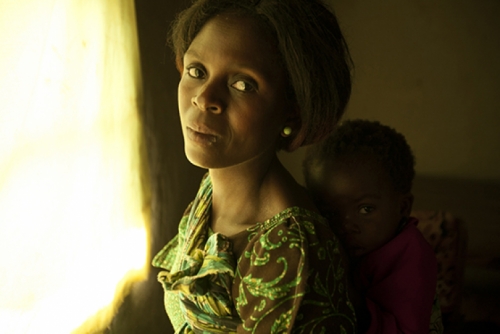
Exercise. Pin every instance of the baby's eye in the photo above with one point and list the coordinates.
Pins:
(195, 72)
(366, 210)
(243, 86)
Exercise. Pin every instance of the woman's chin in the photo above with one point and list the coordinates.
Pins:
(199, 158)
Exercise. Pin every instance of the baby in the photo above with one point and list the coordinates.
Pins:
(361, 179)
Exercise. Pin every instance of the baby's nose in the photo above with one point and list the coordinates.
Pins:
(348, 225)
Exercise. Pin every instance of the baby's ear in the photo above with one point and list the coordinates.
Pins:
(406, 204)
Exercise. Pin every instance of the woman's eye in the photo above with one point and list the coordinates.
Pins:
(195, 72)
(366, 210)
(243, 86)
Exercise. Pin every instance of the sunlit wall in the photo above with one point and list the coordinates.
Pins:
(72, 213)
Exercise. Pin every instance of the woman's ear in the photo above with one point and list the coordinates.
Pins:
(179, 64)
(294, 122)
(406, 204)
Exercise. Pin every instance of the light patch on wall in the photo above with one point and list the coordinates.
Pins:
(72, 217)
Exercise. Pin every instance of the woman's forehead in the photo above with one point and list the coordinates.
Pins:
(238, 38)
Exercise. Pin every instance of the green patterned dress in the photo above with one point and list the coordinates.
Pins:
(284, 275)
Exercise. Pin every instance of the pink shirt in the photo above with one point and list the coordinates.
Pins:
(399, 280)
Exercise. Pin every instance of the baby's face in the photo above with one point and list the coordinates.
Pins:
(358, 197)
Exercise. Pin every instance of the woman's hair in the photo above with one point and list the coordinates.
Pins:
(366, 137)
(312, 49)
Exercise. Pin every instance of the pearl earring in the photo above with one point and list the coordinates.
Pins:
(286, 131)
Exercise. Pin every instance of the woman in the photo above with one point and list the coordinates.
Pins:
(252, 253)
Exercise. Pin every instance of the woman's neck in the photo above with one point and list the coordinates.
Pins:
(245, 194)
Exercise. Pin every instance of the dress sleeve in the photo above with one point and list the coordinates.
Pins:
(270, 280)
(286, 282)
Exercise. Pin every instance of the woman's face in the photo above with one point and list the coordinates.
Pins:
(362, 205)
(232, 94)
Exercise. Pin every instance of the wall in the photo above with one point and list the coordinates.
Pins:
(431, 69)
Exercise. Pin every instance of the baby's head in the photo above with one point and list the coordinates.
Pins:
(361, 179)
(310, 47)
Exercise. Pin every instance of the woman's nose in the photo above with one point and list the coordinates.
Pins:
(208, 98)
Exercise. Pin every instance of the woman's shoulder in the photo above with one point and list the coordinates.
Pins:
(290, 260)
(294, 218)
(298, 213)
(294, 232)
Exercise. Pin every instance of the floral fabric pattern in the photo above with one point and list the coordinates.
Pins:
(289, 277)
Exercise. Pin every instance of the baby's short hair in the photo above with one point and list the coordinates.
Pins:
(384, 143)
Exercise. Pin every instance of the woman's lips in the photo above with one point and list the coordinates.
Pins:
(201, 137)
